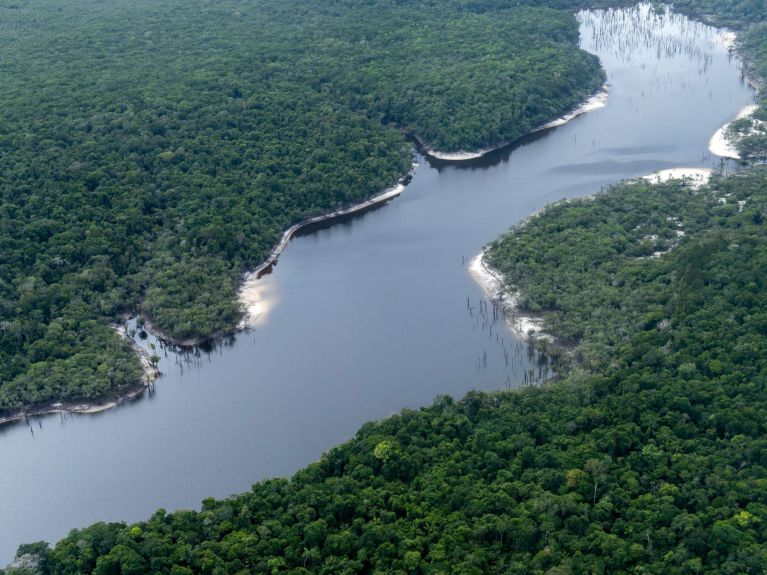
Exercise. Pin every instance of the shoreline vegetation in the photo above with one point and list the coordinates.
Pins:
(594, 102)
(525, 323)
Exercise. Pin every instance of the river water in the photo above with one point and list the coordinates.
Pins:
(370, 315)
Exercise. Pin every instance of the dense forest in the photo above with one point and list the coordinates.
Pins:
(651, 458)
(153, 151)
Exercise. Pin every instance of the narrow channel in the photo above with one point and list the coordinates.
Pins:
(369, 316)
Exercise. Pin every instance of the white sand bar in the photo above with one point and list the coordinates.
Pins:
(727, 39)
(719, 145)
(697, 176)
(597, 101)
(492, 282)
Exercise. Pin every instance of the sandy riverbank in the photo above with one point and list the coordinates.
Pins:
(595, 102)
(697, 176)
(150, 375)
(255, 297)
(67, 407)
(522, 324)
(728, 39)
(720, 145)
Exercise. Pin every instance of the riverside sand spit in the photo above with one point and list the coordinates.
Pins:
(720, 144)
(521, 323)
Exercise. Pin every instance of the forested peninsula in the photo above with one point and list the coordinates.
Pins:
(152, 152)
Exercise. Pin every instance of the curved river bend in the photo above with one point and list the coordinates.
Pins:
(370, 315)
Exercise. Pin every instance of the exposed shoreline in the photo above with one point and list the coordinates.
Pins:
(150, 375)
(595, 102)
(697, 177)
(522, 324)
(249, 293)
(720, 144)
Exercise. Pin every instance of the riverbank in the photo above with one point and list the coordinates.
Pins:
(525, 324)
(595, 102)
(251, 294)
(720, 144)
(151, 373)
(522, 323)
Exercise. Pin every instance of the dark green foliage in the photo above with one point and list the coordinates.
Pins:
(152, 151)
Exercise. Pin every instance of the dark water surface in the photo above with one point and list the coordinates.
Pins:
(368, 316)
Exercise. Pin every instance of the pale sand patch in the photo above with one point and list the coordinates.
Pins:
(598, 100)
(719, 145)
(697, 176)
(492, 282)
(727, 39)
(460, 156)
(258, 296)
(151, 372)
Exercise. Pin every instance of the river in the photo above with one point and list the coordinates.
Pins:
(369, 316)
